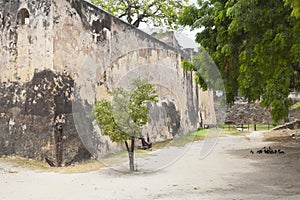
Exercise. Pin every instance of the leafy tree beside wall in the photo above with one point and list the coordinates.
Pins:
(256, 46)
(123, 117)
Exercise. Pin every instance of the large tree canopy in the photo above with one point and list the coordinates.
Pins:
(156, 12)
(256, 46)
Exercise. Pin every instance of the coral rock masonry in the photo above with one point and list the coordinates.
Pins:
(53, 49)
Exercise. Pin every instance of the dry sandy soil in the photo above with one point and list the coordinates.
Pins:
(228, 172)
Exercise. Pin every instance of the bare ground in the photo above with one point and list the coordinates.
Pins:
(228, 172)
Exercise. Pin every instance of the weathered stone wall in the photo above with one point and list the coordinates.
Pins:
(290, 125)
(294, 114)
(207, 108)
(26, 42)
(28, 115)
(59, 56)
(295, 96)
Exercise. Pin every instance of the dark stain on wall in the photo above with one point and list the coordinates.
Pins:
(80, 7)
(165, 115)
(174, 117)
(192, 106)
(28, 117)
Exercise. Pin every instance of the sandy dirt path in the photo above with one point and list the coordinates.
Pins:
(229, 172)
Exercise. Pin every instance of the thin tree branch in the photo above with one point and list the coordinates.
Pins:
(126, 144)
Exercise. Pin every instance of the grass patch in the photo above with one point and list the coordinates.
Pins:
(118, 155)
(295, 106)
(262, 127)
(190, 137)
(259, 127)
(181, 140)
(88, 166)
(233, 132)
(236, 133)
(17, 161)
(161, 145)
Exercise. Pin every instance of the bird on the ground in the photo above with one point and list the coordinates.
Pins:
(280, 151)
(51, 163)
(266, 151)
(259, 151)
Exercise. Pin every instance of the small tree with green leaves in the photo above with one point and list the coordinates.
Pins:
(123, 117)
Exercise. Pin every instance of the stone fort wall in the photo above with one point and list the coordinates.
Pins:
(59, 56)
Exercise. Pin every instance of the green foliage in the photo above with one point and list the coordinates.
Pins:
(157, 12)
(142, 93)
(207, 71)
(104, 115)
(255, 45)
(188, 66)
(200, 81)
(296, 106)
(295, 5)
(122, 118)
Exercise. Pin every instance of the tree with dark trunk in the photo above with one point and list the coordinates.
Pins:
(123, 118)
(58, 135)
(135, 12)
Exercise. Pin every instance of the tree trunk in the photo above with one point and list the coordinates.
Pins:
(130, 151)
(131, 161)
(58, 136)
(59, 147)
